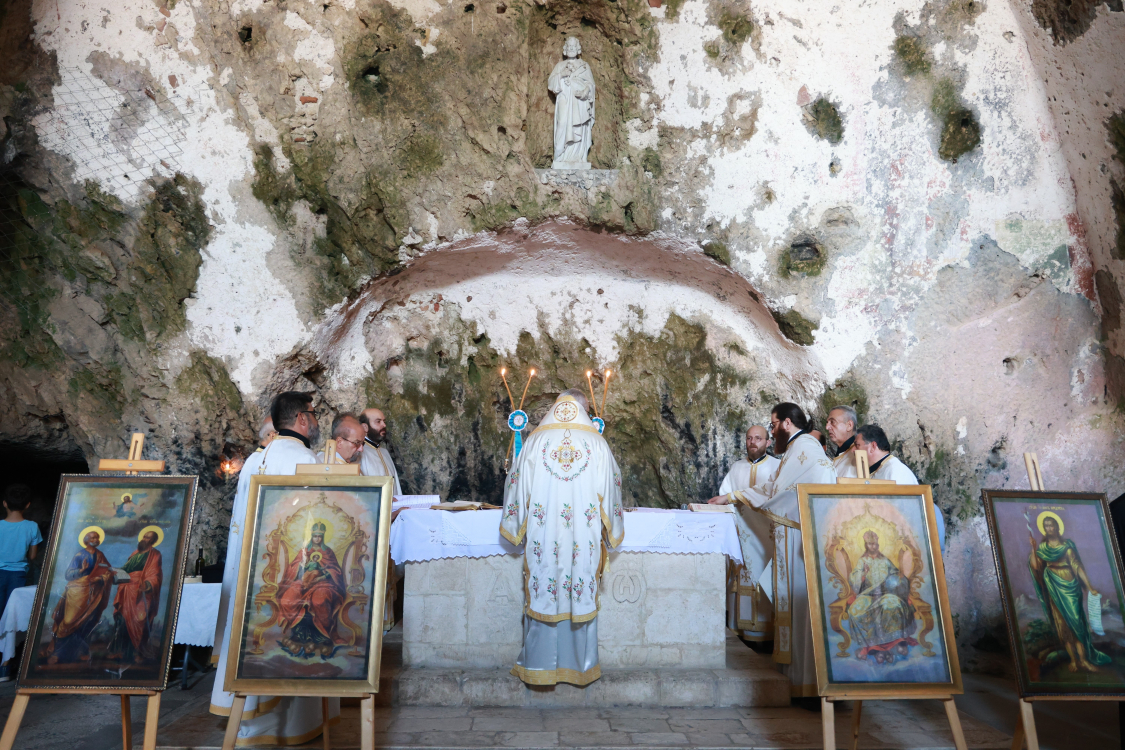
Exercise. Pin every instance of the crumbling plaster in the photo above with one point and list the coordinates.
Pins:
(957, 298)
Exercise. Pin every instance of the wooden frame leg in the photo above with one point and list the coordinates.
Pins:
(126, 723)
(1017, 736)
(828, 723)
(367, 723)
(12, 726)
(233, 721)
(1026, 728)
(152, 721)
(324, 723)
(955, 724)
(857, 716)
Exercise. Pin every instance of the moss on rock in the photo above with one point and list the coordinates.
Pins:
(795, 327)
(960, 132)
(822, 119)
(207, 381)
(911, 53)
(736, 27)
(846, 391)
(717, 250)
(804, 257)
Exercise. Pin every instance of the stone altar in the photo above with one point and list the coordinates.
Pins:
(657, 610)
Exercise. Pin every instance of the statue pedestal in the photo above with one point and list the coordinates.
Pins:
(586, 179)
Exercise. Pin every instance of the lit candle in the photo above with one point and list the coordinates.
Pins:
(503, 372)
(605, 389)
(593, 399)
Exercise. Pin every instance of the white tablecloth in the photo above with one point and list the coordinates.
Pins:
(199, 613)
(420, 535)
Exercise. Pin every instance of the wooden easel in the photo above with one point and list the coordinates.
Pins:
(827, 710)
(366, 721)
(328, 467)
(1025, 726)
(131, 465)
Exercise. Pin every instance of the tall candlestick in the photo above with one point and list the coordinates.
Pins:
(593, 399)
(503, 373)
(605, 389)
(524, 396)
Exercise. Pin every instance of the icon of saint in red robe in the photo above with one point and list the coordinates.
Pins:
(310, 595)
(136, 603)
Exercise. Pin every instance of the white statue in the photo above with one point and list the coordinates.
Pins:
(572, 82)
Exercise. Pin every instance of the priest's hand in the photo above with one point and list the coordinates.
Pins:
(719, 500)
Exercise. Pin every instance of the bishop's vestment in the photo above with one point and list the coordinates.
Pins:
(266, 720)
(748, 608)
(564, 489)
(804, 462)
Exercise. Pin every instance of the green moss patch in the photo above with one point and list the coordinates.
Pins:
(960, 132)
(650, 162)
(912, 54)
(795, 327)
(717, 250)
(804, 257)
(736, 28)
(206, 379)
(822, 118)
(847, 391)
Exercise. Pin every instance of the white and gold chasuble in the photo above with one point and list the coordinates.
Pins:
(562, 491)
(804, 462)
(748, 607)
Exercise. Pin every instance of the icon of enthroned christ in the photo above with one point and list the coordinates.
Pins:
(310, 595)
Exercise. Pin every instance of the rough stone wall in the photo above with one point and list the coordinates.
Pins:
(912, 207)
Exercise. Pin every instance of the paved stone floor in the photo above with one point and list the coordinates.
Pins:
(987, 709)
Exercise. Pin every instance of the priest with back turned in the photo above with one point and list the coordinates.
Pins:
(562, 494)
(803, 461)
(269, 720)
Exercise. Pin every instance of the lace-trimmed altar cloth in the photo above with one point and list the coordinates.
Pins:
(421, 535)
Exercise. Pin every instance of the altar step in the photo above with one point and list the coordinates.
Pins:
(749, 679)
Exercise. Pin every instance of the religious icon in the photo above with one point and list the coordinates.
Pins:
(1060, 582)
(572, 83)
(877, 598)
(106, 607)
(308, 618)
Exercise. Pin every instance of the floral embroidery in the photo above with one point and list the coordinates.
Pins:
(567, 514)
(592, 548)
(568, 587)
(593, 587)
(553, 589)
(513, 478)
(574, 555)
(535, 585)
(513, 508)
(567, 455)
(591, 513)
(556, 553)
(539, 513)
(537, 550)
(617, 479)
(578, 589)
(618, 512)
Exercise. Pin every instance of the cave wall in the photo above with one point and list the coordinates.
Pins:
(910, 207)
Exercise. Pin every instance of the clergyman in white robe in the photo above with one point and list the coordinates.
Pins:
(889, 467)
(563, 490)
(804, 462)
(377, 462)
(266, 720)
(748, 608)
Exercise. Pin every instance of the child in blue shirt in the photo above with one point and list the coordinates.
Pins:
(19, 544)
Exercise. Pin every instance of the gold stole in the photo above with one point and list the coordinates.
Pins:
(781, 528)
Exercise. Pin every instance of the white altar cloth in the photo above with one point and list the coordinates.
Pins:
(421, 535)
(199, 614)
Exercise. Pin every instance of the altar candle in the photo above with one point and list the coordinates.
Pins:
(605, 389)
(593, 399)
(503, 371)
(529, 377)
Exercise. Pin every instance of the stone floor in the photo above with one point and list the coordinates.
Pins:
(987, 709)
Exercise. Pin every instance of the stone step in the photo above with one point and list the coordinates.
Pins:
(749, 679)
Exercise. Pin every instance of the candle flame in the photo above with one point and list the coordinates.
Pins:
(607, 372)
(533, 373)
(589, 373)
(503, 370)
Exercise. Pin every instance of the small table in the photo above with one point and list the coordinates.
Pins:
(195, 625)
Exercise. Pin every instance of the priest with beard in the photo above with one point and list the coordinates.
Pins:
(376, 460)
(748, 608)
(270, 720)
(136, 603)
(803, 461)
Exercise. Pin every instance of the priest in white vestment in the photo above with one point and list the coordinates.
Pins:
(563, 490)
(748, 607)
(350, 436)
(269, 720)
(841, 426)
(803, 461)
(376, 460)
(873, 440)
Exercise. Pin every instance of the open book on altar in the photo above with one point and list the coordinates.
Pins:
(464, 505)
(414, 501)
(708, 508)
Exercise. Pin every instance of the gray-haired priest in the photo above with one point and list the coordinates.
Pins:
(563, 492)
(802, 462)
(265, 719)
(748, 608)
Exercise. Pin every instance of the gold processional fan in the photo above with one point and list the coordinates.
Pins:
(518, 419)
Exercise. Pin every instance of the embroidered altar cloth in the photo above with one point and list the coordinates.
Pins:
(421, 535)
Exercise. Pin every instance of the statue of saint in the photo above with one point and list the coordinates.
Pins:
(572, 83)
